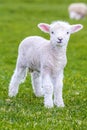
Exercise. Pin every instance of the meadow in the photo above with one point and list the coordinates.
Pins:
(19, 19)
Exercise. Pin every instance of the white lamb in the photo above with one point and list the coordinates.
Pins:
(77, 10)
(45, 59)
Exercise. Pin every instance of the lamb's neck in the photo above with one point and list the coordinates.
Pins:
(59, 56)
(59, 50)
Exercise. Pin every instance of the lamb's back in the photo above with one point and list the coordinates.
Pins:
(34, 43)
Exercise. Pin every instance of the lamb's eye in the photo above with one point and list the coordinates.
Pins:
(67, 32)
(52, 32)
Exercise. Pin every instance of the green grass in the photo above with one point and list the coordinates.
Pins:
(19, 19)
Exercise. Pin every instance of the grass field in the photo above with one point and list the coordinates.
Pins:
(19, 19)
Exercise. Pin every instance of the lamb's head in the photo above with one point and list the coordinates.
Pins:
(59, 32)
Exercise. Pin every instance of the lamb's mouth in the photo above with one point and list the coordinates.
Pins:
(59, 42)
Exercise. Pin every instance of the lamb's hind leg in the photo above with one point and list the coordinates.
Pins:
(37, 84)
(18, 77)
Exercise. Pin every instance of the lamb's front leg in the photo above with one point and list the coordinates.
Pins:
(58, 85)
(48, 91)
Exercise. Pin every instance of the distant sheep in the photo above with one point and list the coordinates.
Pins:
(45, 59)
(77, 10)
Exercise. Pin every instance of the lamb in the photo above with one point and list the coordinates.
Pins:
(45, 60)
(77, 10)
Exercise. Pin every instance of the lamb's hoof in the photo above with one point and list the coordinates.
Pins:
(61, 104)
(48, 105)
(12, 92)
(39, 94)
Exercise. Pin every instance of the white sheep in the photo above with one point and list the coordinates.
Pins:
(45, 59)
(77, 10)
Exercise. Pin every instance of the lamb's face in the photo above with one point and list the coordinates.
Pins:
(59, 34)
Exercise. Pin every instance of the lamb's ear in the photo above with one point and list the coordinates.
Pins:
(44, 27)
(76, 28)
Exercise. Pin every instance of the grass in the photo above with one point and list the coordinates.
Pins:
(19, 19)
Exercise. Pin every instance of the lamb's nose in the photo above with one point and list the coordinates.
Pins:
(60, 39)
